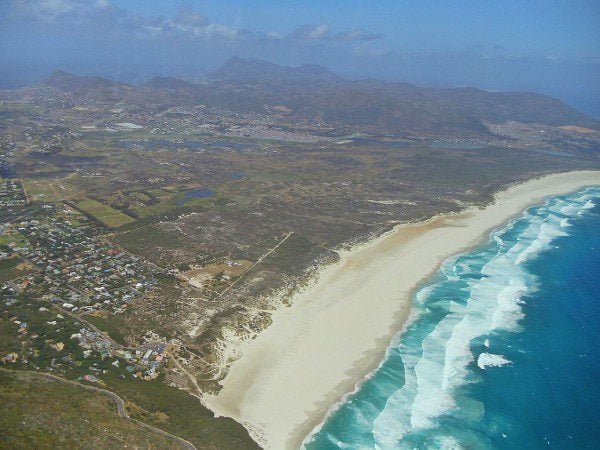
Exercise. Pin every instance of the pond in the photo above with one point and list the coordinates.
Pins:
(200, 193)
(195, 193)
(237, 175)
(550, 152)
(162, 143)
(157, 144)
(456, 146)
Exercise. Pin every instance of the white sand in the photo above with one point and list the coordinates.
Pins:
(336, 332)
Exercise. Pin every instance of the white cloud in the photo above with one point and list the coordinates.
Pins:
(273, 35)
(186, 15)
(310, 32)
(357, 34)
(323, 33)
(370, 51)
(45, 10)
(319, 32)
(103, 16)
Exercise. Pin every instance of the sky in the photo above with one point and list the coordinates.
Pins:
(546, 46)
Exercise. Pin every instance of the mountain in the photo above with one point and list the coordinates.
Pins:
(247, 69)
(169, 83)
(88, 87)
(310, 92)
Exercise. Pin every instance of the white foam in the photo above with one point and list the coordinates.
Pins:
(569, 210)
(447, 443)
(588, 205)
(576, 206)
(549, 230)
(509, 312)
(491, 360)
(433, 372)
(430, 378)
(337, 442)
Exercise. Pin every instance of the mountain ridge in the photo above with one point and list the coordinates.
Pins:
(311, 92)
(243, 69)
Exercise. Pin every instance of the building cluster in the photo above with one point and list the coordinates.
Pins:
(81, 272)
(546, 136)
(142, 362)
(90, 116)
(50, 139)
(13, 201)
(41, 95)
(7, 170)
(44, 345)
(11, 195)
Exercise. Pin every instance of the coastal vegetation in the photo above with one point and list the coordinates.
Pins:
(37, 412)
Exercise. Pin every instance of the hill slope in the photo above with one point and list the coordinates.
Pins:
(245, 69)
(88, 87)
(313, 92)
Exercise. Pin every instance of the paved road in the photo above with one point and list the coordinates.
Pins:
(118, 400)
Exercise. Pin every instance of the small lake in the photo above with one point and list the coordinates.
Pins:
(195, 193)
(402, 143)
(237, 175)
(547, 151)
(200, 193)
(456, 146)
(157, 144)
(7, 170)
(162, 143)
(232, 145)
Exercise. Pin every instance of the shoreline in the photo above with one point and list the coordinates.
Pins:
(337, 331)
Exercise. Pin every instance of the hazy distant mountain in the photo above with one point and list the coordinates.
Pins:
(245, 69)
(312, 91)
(88, 87)
(168, 83)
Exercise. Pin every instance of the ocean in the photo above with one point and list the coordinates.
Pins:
(502, 349)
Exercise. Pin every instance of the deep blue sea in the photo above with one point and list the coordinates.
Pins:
(502, 351)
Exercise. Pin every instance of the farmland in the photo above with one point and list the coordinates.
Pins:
(103, 213)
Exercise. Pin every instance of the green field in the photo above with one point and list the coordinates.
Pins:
(172, 200)
(13, 267)
(104, 213)
(163, 207)
(10, 238)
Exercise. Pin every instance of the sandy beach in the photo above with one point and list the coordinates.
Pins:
(337, 330)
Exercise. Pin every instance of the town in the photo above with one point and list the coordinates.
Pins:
(53, 260)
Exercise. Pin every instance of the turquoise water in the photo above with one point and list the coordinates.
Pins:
(503, 349)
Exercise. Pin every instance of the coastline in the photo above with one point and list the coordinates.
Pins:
(337, 330)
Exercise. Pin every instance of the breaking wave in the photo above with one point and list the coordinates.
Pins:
(419, 397)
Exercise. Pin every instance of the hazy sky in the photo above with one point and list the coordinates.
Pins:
(547, 46)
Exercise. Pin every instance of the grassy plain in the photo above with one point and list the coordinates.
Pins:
(13, 267)
(104, 213)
